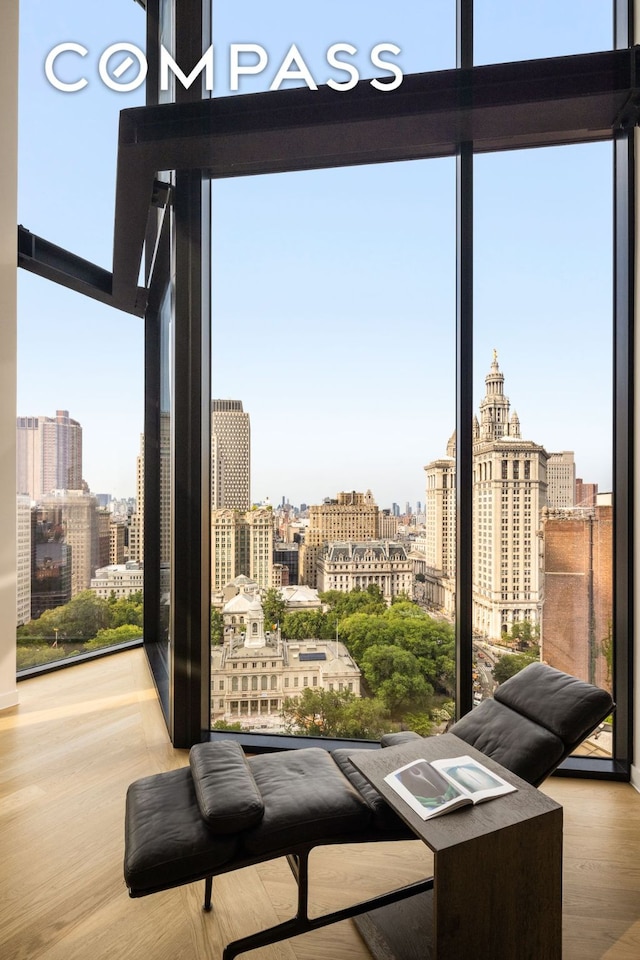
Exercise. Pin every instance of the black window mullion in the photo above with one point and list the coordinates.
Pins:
(190, 532)
(623, 474)
(464, 386)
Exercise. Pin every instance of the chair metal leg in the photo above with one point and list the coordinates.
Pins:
(302, 924)
(208, 884)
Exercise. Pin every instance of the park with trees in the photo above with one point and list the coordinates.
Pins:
(406, 658)
(86, 623)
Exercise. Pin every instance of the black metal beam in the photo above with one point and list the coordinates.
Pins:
(496, 107)
(54, 263)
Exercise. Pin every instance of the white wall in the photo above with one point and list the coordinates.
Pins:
(8, 282)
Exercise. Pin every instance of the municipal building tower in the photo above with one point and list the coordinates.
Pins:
(509, 491)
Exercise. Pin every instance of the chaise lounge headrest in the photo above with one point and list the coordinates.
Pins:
(568, 707)
(227, 794)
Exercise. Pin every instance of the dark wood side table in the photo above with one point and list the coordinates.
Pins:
(497, 891)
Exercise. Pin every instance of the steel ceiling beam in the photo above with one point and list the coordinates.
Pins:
(509, 106)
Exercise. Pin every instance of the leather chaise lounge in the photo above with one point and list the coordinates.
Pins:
(225, 811)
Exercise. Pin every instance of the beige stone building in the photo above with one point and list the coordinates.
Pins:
(387, 525)
(356, 566)
(561, 480)
(49, 454)
(241, 543)
(351, 517)
(509, 491)
(440, 531)
(119, 579)
(230, 456)
(299, 597)
(253, 671)
(23, 559)
(76, 513)
(136, 527)
(116, 541)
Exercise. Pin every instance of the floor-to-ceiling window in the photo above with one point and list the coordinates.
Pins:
(304, 279)
(80, 390)
(333, 371)
(543, 502)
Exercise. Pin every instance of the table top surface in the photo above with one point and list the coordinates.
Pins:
(465, 823)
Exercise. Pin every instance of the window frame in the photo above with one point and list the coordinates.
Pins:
(457, 113)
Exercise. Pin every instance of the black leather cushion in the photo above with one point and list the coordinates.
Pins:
(306, 798)
(166, 840)
(568, 707)
(384, 817)
(228, 797)
(527, 749)
(403, 736)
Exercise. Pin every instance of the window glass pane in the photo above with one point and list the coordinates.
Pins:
(80, 390)
(543, 523)
(333, 377)
(80, 574)
(505, 31)
(424, 33)
(166, 392)
(68, 140)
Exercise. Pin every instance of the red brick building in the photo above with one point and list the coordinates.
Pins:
(578, 584)
(586, 494)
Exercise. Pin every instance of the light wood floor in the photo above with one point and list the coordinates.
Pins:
(81, 735)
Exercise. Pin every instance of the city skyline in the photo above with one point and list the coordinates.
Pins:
(393, 499)
(334, 291)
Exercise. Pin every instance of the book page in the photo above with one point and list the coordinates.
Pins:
(472, 778)
(425, 789)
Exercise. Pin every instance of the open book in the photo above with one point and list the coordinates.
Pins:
(438, 786)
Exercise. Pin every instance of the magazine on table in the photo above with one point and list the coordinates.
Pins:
(433, 787)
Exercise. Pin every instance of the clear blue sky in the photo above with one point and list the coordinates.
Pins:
(334, 291)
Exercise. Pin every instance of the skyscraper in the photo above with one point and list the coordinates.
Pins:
(561, 480)
(24, 536)
(509, 490)
(230, 456)
(75, 513)
(49, 454)
(241, 544)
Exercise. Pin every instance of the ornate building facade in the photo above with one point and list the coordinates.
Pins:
(254, 670)
(352, 516)
(356, 566)
(509, 491)
(241, 543)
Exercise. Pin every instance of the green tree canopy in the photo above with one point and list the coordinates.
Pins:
(395, 676)
(303, 624)
(510, 664)
(343, 604)
(111, 636)
(363, 630)
(80, 619)
(216, 626)
(274, 608)
(335, 713)
(407, 626)
(526, 634)
(126, 610)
